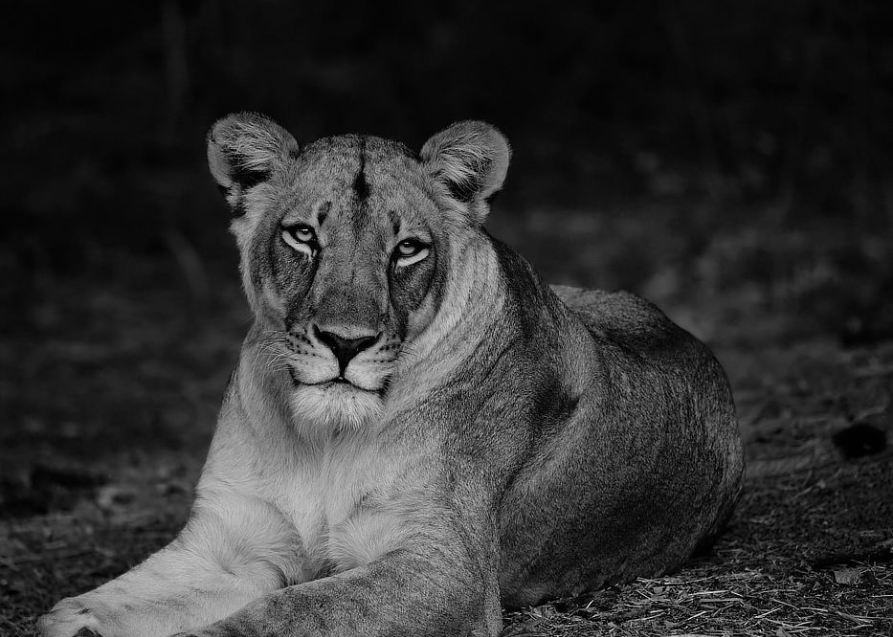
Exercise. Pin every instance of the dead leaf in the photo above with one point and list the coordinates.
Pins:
(849, 576)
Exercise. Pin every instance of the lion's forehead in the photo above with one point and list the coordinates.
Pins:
(345, 154)
(351, 175)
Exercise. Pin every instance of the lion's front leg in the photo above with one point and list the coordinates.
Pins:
(170, 591)
(232, 551)
(443, 586)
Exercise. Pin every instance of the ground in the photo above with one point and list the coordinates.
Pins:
(116, 361)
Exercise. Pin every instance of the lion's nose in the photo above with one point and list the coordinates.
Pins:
(344, 348)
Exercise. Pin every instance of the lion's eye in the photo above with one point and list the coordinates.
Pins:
(301, 237)
(302, 233)
(410, 251)
(409, 247)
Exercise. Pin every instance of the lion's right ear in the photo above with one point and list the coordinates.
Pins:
(245, 149)
(469, 161)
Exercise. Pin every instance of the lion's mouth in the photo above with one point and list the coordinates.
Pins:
(336, 382)
(339, 382)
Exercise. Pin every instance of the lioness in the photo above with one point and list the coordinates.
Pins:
(419, 430)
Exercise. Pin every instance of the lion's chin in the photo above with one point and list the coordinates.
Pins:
(335, 406)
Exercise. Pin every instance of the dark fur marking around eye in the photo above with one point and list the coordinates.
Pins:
(395, 221)
(323, 212)
(360, 186)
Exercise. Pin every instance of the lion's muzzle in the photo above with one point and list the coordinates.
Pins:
(344, 349)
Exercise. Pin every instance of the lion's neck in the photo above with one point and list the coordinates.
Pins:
(471, 306)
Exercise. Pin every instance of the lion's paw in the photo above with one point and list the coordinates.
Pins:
(70, 618)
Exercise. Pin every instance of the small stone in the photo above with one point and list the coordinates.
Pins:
(860, 439)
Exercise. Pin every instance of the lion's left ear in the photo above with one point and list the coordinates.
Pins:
(245, 149)
(469, 159)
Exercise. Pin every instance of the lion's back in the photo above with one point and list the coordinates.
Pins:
(637, 329)
(618, 315)
(657, 440)
(635, 339)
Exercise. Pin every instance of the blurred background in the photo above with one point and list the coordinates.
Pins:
(729, 160)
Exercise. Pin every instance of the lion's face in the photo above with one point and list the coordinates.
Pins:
(345, 254)
(350, 261)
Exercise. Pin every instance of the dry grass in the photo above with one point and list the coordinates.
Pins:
(706, 602)
(759, 580)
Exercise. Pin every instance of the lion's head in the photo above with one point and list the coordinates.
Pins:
(348, 246)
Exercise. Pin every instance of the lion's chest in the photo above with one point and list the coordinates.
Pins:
(342, 501)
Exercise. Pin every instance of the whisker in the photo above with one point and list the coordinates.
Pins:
(278, 357)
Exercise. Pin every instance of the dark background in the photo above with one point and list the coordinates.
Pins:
(731, 160)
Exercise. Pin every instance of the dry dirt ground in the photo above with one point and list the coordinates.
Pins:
(111, 375)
